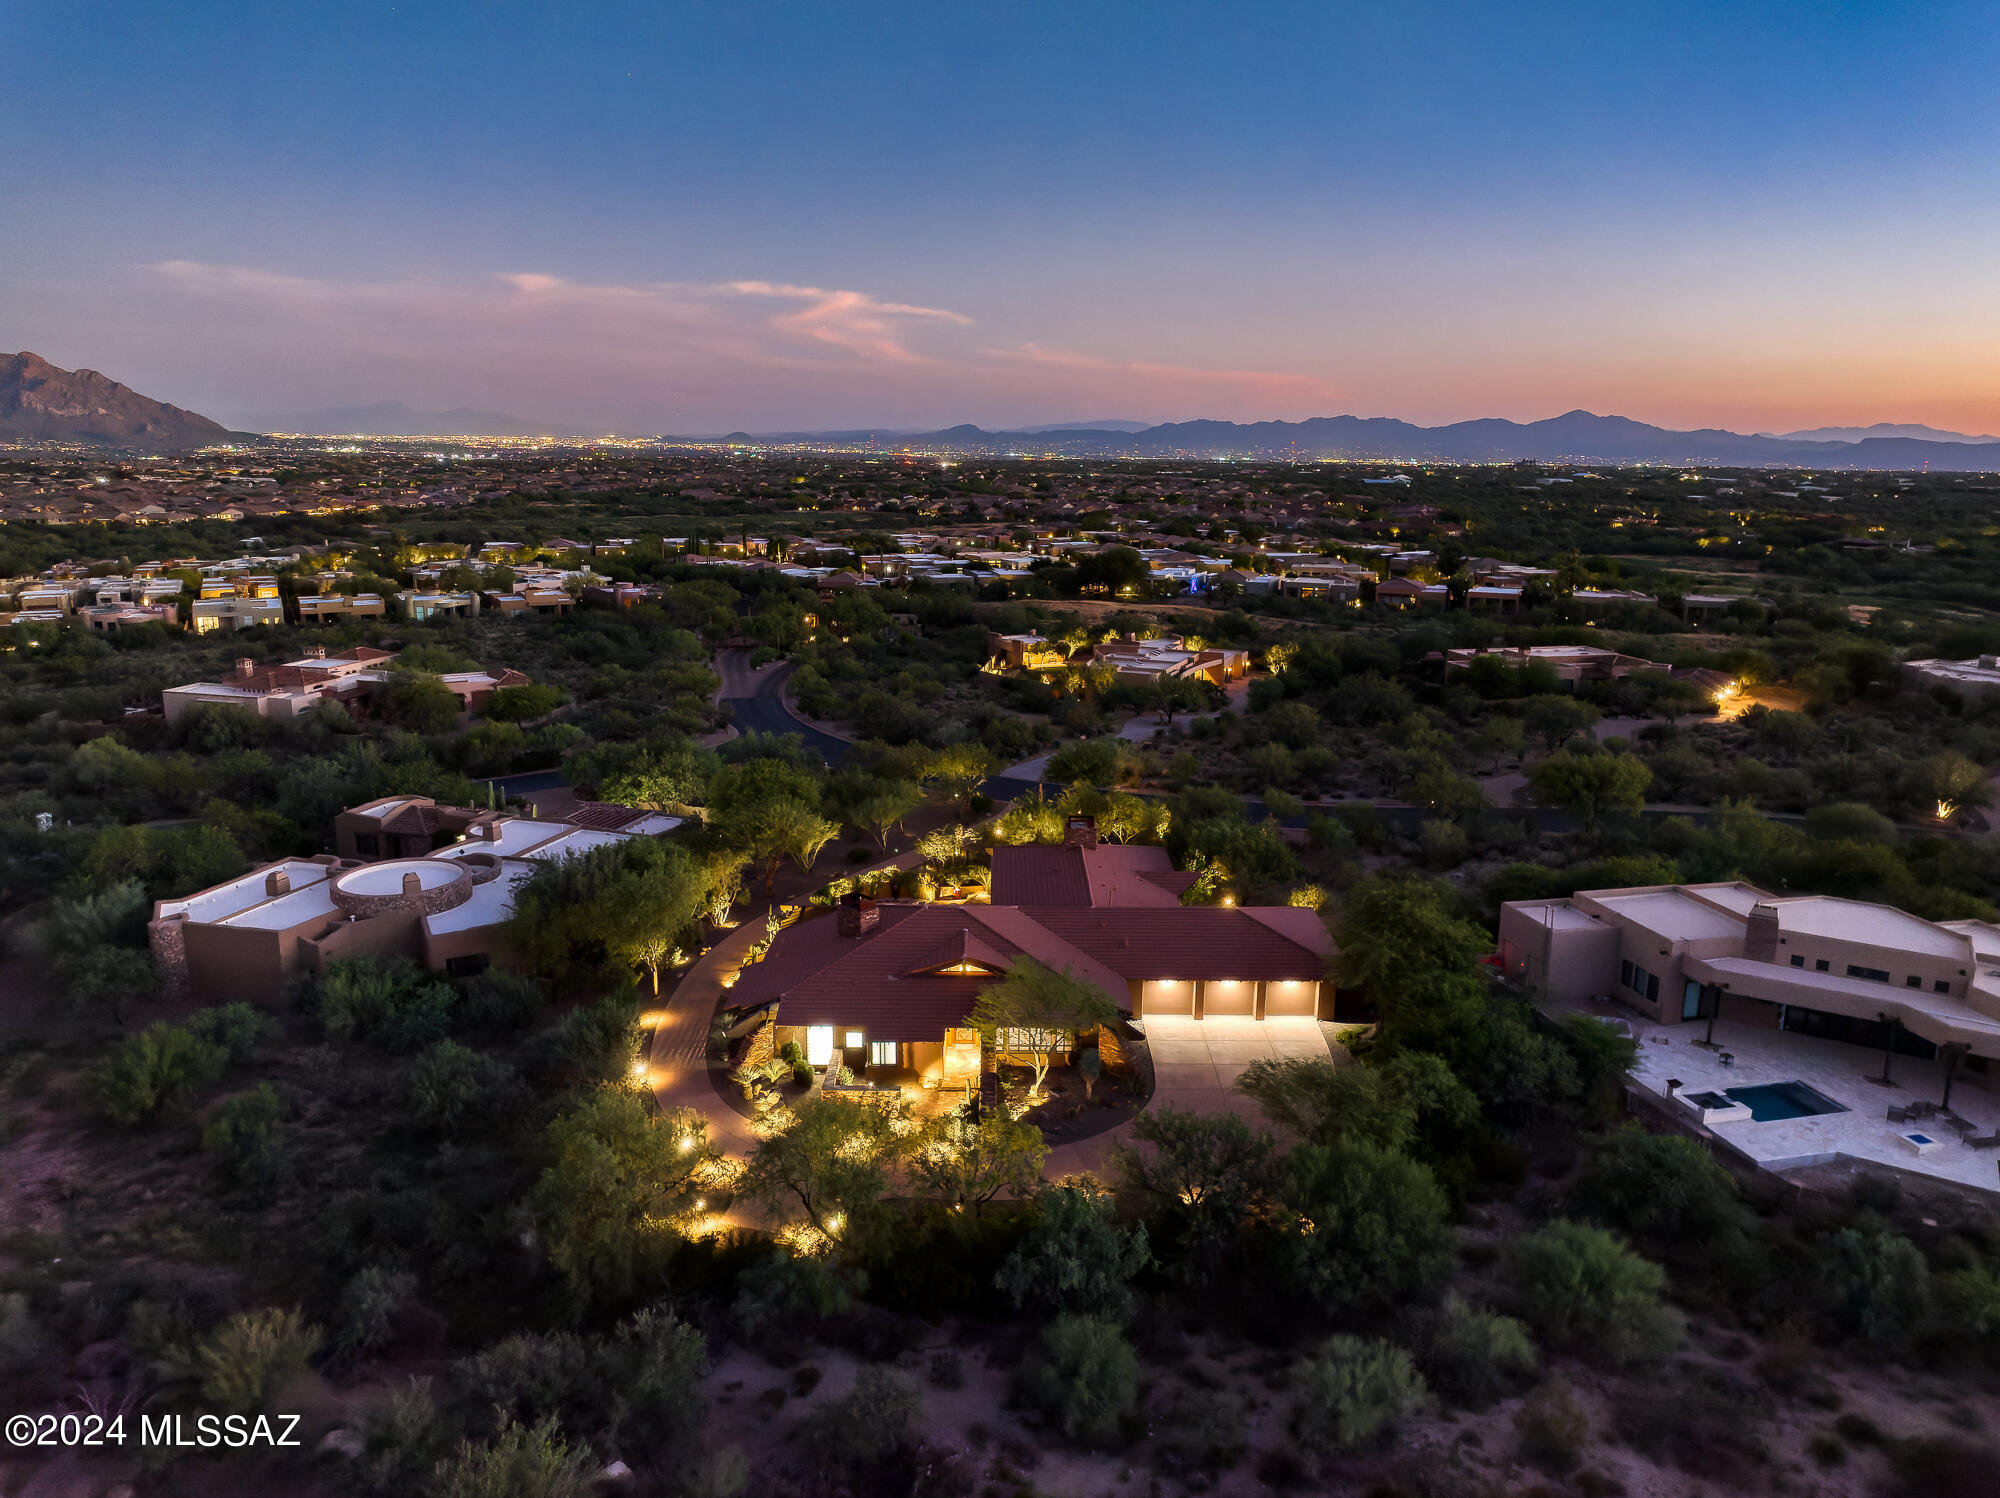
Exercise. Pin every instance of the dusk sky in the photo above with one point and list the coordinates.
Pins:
(690, 219)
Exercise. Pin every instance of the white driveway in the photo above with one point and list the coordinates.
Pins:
(1196, 1061)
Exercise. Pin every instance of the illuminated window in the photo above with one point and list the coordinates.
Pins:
(854, 1040)
(882, 1053)
(819, 1044)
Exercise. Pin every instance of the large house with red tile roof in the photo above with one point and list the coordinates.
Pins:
(886, 986)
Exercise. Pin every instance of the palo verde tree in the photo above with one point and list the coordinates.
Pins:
(623, 1184)
(963, 1163)
(1035, 1011)
(628, 904)
(830, 1157)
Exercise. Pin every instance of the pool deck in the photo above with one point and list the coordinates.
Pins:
(1845, 1074)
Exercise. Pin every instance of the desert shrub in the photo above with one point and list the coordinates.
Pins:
(1083, 1377)
(869, 1423)
(22, 1344)
(1551, 1428)
(160, 1068)
(402, 1442)
(451, 1089)
(1701, 1419)
(236, 1028)
(251, 1356)
(1584, 1291)
(1875, 1286)
(368, 1304)
(657, 1362)
(1477, 1356)
(246, 1133)
(520, 1462)
(518, 704)
(945, 1369)
(501, 1001)
(601, 1043)
(1353, 1391)
(1202, 1428)
(1075, 1259)
(786, 1291)
(1381, 1225)
(636, 1387)
(390, 1003)
(1968, 1305)
(1659, 1187)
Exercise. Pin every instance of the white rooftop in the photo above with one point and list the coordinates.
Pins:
(239, 894)
(1671, 915)
(387, 878)
(1878, 925)
(308, 904)
(490, 904)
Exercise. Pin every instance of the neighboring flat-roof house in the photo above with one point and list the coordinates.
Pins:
(318, 608)
(278, 692)
(1029, 650)
(434, 884)
(413, 826)
(1976, 680)
(1169, 656)
(1815, 964)
(888, 986)
(1401, 593)
(1571, 663)
(354, 679)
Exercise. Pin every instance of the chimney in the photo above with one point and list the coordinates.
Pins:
(1760, 938)
(315, 652)
(245, 666)
(412, 885)
(1080, 832)
(858, 916)
(277, 882)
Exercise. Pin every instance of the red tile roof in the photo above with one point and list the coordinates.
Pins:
(1201, 941)
(886, 983)
(1117, 874)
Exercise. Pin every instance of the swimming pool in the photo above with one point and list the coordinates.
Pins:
(1775, 1100)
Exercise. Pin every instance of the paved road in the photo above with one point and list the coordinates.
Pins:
(756, 703)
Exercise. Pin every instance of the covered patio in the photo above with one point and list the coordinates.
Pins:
(1845, 1074)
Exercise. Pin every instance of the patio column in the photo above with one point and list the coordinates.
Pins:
(1889, 1052)
(1714, 997)
(1953, 1049)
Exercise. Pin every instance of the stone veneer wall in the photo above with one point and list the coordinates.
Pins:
(167, 936)
(434, 901)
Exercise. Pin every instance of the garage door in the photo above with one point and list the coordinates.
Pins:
(1293, 996)
(1221, 996)
(1166, 996)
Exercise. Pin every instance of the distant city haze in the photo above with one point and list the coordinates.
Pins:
(757, 217)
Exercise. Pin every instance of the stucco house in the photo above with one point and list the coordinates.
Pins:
(438, 891)
(1839, 969)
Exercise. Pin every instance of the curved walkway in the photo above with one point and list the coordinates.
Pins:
(677, 1055)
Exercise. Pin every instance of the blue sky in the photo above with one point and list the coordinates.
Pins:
(683, 218)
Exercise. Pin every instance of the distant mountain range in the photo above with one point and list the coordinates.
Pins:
(1882, 429)
(394, 419)
(41, 403)
(1577, 436)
